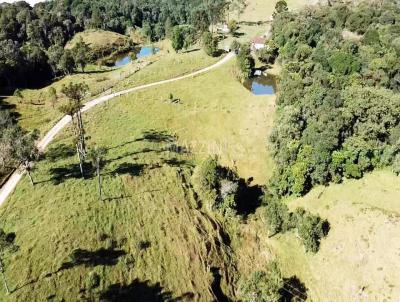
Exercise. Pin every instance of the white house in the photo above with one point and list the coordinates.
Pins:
(258, 43)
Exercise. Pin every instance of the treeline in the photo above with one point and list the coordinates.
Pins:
(32, 39)
(338, 101)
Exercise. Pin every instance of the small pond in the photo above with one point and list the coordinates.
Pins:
(142, 52)
(147, 51)
(261, 85)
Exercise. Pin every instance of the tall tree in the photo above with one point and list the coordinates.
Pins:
(245, 61)
(210, 43)
(26, 152)
(237, 6)
(67, 62)
(75, 94)
(54, 54)
(81, 53)
(52, 96)
(97, 156)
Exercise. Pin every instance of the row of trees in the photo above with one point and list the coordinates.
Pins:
(339, 101)
(18, 147)
(76, 92)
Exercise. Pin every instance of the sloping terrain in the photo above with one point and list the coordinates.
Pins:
(150, 228)
(259, 10)
(358, 261)
(98, 39)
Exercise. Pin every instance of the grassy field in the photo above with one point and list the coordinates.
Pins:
(358, 261)
(261, 10)
(150, 228)
(98, 39)
(255, 20)
(150, 236)
(37, 112)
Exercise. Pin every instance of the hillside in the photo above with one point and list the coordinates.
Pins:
(261, 11)
(98, 39)
(149, 196)
(358, 260)
(191, 188)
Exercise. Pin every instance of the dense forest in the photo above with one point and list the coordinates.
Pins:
(339, 101)
(32, 40)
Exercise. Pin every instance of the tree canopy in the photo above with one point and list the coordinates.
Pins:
(32, 39)
(339, 101)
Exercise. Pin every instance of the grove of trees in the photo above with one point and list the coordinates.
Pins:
(32, 39)
(339, 100)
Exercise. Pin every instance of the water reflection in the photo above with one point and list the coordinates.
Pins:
(261, 85)
(142, 52)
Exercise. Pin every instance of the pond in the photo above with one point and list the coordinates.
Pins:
(147, 51)
(261, 85)
(142, 52)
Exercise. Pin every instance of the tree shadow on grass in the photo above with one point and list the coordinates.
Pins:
(72, 171)
(107, 257)
(151, 135)
(175, 162)
(238, 34)
(294, 290)
(122, 145)
(129, 168)
(157, 136)
(11, 107)
(136, 291)
(61, 151)
(191, 50)
(128, 154)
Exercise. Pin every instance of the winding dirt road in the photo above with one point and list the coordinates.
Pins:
(12, 182)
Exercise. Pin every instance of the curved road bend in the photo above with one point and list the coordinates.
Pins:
(12, 182)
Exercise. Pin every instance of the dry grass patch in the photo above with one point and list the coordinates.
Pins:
(359, 258)
(98, 39)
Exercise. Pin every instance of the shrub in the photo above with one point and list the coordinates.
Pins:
(263, 286)
(311, 229)
(210, 43)
(269, 53)
(245, 61)
(217, 186)
(92, 280)
(280, 7)
(235, 46)
(396, 164)
(303, 52)
(229, 191)
(182, 37)
(232, 26)
(205, 180)
(288, 51)
(277, 216)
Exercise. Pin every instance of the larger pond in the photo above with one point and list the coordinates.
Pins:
(261, 85)
(142, 52)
